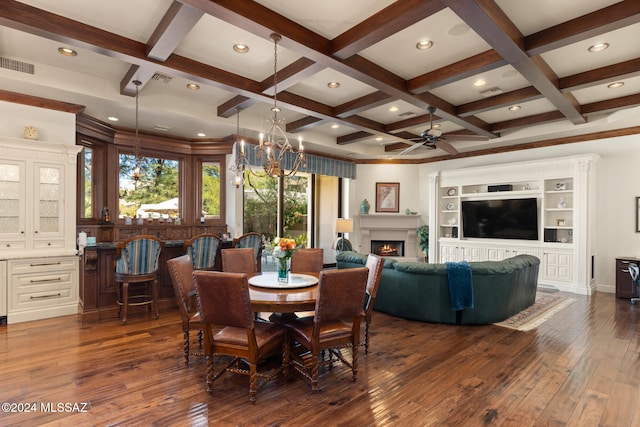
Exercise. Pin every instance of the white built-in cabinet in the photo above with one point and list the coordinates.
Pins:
(37, 228)
(565, 191)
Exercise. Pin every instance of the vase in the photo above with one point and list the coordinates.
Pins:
(283, 269)
(364, 207)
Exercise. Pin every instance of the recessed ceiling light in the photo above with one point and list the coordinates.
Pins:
(335, 126)
(67, 51)
(424, 44)
(393, 109)
(201, 134)
(379, 138)
(514, 108)
(193, 86)
(333, 85)
(480, 82)
(112, 118)
(615, 85)
(598, 47)
(437, 126)
(241, 48)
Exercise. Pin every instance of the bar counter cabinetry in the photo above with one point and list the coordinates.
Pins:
(98, 292)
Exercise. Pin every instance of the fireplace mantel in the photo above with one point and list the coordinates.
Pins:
(391, 227)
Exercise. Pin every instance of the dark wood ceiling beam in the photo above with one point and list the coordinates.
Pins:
(388, 148)
(499, 101)
(491, 23)
(353, 137)
(304, 123)
(603, 75)
(395, 17)
(231, 107)
(536, 119)
(411, 122)
(595, 136)
(36, 101)
(392, 84)
(291, 75)
(363, 103)
(612, 104)
(593, 24)
(260, 21)
(480, 63)
(172, 29)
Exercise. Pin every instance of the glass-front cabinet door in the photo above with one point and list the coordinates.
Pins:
(12, 205)
(48, 209)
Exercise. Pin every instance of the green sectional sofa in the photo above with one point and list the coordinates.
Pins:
(420, 291)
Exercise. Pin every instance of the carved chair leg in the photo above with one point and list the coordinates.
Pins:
(354, 361)
(366, 337)
(185, 349)
(314, 374)
(253, 381)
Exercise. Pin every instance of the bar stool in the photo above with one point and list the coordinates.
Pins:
(137, 264)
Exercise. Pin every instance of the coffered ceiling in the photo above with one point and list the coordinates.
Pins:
(533, 55)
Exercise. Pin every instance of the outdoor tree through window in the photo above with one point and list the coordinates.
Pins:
(211, 190)
(155, 194)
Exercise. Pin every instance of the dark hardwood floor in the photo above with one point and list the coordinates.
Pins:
(580, 368)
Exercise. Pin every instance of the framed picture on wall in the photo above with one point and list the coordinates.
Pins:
(387, 196)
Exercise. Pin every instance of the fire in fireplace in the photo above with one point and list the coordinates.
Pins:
(388, 247)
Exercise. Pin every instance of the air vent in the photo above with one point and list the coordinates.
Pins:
(12, 64)
(492, 91)
(161, 78)
(407, 114)
(161, 128)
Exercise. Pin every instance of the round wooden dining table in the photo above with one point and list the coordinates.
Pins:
(297, 294)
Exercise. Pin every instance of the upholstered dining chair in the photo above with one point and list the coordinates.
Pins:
(307, 260)
(239, 260)
(181, 273)
(255, 241)
(375, 264)
(224, 302)
(203, 251)
(137, 265)
(335, 325)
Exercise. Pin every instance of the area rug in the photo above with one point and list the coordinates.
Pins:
(545, 307)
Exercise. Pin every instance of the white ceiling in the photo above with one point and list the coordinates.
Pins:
(93, 78)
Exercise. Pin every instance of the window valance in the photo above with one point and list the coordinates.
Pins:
(315, 164)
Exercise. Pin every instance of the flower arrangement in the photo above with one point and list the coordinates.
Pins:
(283, 249)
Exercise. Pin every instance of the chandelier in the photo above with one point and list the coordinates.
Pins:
(136, 140)
(273, 146)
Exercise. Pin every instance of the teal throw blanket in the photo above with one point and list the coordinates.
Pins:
(460, 285)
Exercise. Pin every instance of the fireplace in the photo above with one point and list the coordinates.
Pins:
(388, 247)
(394, 230)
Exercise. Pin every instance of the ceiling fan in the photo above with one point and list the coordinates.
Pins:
(432, 138)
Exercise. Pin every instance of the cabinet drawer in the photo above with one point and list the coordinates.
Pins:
(42, 265)
(47, 289)
(12, 245)
(42, 244)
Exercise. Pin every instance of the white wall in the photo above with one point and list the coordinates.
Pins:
(617, 186)
(53, 126)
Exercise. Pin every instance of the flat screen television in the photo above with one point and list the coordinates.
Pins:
(500, 219)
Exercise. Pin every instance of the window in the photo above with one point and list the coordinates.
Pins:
(261, 206)
(155, 194)
(211, 202)
(86, 183)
